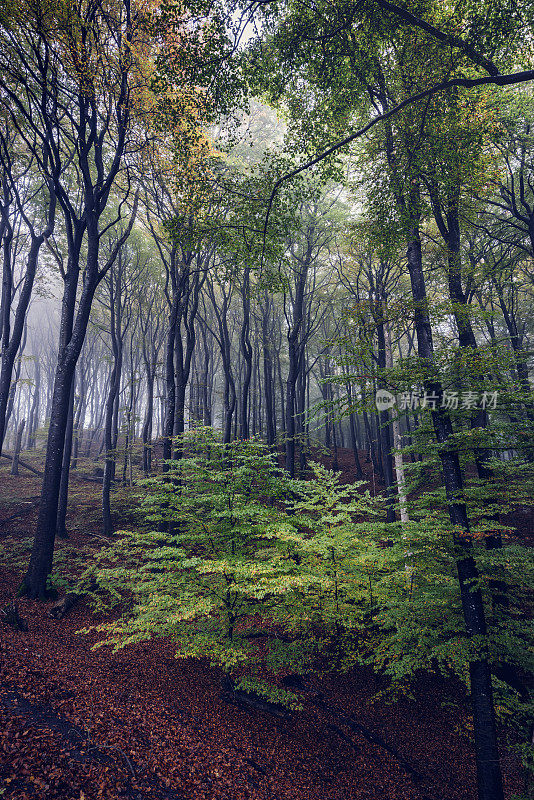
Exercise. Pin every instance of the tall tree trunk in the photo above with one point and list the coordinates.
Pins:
(40, 565)
(61, 530)
(207, 377)
(129, 432)
(295, 350)
(111, 407)
(71, 338)
(246, 354)
(15, 383)
(268, 389)
(10, 341)
(487, 755)
(17, 448)
(521, 363)
(290, 408)
(282, 394)
(229, 406)
(397, 443)
(191, 282)
(335, 461)
(384, 426)
(79, 419)
(34, 415)
(354, 435)
(170, 384)
(147, 423)
(448, 222)
(301, 405)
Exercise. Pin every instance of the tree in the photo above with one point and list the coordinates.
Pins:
(78, 68)
(391, 85)
(11, 338)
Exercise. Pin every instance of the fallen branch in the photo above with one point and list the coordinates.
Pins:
(63, 606)
(343, 736)
(22, 511)
(10, 615)
(91, 478)
(251, 701)
(99, 747)
(374, 738)
(24, 464)
(108, 539)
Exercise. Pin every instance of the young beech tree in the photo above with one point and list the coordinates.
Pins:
(248, 579)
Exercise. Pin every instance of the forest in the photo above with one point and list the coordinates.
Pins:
(266, 400)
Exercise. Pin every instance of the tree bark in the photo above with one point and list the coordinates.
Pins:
(246, 353)
(61, 530)
(16, 451)
(489, 777)
(111, 421)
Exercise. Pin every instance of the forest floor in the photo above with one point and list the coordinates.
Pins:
(78, 724)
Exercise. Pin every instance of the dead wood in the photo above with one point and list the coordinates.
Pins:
(10, 615)
(23, 464)
(63, 606)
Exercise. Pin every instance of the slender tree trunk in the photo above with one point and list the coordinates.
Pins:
(290, 408)
(9, 351)
(11, 341)
(246, 354)
(296, 355)
(18, 445)
(15, 382)
(129, 432)
(268, 388)
(371, 441)
(397, 443)
(40, 565)
(170, 385)
(71, 337)
(282, 395)
(147, 424)
(34, 416)
(111, 423)
(521, 363)
(208, 375)
(301, 410)
(78, 421)
(335, 462)
(229, 407)
(354, 436)
(230, 394)
(487, 755)
(61, 530)
(384, 426)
